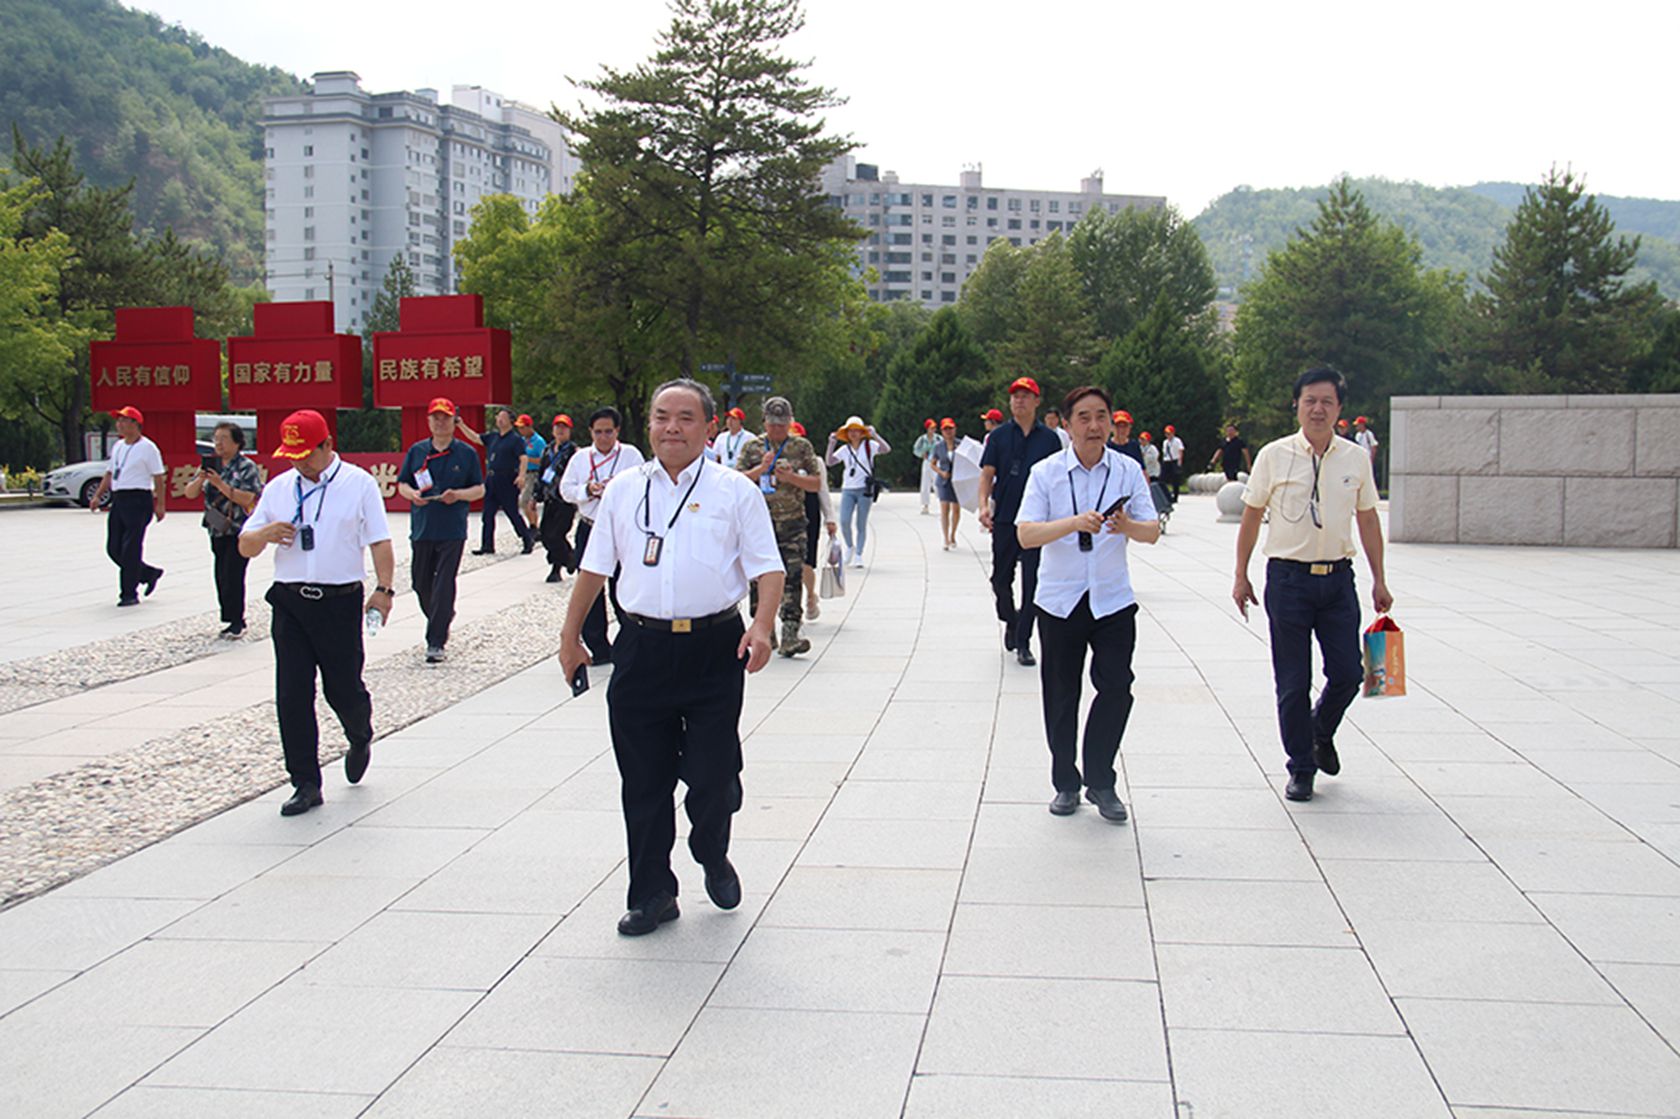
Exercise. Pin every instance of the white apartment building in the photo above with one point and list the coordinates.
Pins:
(355, 178)
(563, 165)
(925, 240)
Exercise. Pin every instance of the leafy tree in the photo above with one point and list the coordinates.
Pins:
(1559, 314)
(368, 428)
(1026, 308)
(35, 343)
(1348, 291)
(1660, 371)
(943, 373)
(703, 161)
(1130, 261)
(1163, 374)
(990, 306)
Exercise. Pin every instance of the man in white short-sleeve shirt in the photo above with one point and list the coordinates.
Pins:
(136, 482)
(1081, 508)
(321, 516)
(1316, 488)
(686, 537)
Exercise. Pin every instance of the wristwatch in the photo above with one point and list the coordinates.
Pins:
(385, 590)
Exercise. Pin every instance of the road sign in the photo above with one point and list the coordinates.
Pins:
(753, 382)
(715, 367)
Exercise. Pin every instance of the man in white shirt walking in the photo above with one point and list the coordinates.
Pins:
(583, 484)
(688, 538)
(322, 515)
(1172, 459)
(1082, 506)
(136, 482)
(1317, 488)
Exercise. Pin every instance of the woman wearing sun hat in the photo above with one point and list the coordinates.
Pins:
(855, 447)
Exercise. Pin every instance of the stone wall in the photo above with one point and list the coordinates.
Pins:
(1590, 471)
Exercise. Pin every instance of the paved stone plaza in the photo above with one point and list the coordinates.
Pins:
(1480, 918)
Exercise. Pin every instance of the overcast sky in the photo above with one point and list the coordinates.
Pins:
(1181, 100)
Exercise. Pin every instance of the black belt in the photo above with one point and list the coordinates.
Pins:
(685, 625)
(1318, 567)
(314, 592)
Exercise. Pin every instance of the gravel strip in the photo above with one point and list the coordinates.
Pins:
(24, 683)
(70, 823)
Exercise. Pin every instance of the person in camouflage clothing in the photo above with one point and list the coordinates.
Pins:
(786, 468)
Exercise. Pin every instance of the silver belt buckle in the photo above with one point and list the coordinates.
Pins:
(313, 594)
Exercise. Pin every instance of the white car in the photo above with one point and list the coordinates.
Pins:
(75, 483)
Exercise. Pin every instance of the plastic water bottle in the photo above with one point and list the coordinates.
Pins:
(373, 620)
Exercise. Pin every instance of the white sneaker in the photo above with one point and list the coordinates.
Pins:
(857, 561)
(813, 610)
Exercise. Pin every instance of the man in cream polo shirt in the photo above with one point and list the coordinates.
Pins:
(1317, 488)
(321, 516)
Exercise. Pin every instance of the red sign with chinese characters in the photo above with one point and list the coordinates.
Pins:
(156, 365)
(294, 360)
(442, 349)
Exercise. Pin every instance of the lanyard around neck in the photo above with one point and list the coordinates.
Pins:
(594, 466)
(647, 500)
(1102, 491)
(321, 490)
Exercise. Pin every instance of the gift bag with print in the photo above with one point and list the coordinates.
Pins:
(1385, 659)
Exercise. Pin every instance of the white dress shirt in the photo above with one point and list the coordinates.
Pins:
(1061, 487)
(726, 448)
(345, 509)
(1174, 448)
(590, 465)
(719, 542)
(134, 465)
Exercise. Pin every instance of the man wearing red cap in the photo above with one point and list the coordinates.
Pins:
(321, 515)
(1365, 437)
(504, 476)
(1011, 453)
(992, 419)
(136, 482)
(1172, 460)
(923, 450)
(726, 448)
(557, 513)
(1122, 439)
(530, 489)
(441, 477)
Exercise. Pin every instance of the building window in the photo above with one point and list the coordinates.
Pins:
(991, 223)
(309, 211)
(309, 192)
(1033, 205)
(1033, 224)
(948, 239)
(309, 252)
(309, 233)
(1014, 223)
(991, 203)
(973, 240)
(308, 150)
(309, 293)
(947, 221)
(1015, 204)
(971, 258)
(927, 238)
(1055, 206)
(974, 202)
(309, 171)
(927, 258)
(947, 297)
(947, 277)
(927, 199)
(949, 201)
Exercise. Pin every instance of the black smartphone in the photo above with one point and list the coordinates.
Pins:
(211, 464)
(1086, 540)
(580, 680)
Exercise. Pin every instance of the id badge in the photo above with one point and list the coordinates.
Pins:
(423, 480)
(655, 545)
(306, 538)
(548, 475)
(767, 482)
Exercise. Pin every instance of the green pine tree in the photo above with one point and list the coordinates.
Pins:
(1163, 373)
(943, 373)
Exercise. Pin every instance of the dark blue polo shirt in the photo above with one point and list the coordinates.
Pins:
(503, 452)
(454, 469)
(1013, 454)
(1131, 448)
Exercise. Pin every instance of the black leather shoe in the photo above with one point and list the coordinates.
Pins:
(128, 601)
(723, 885)
(1009, 639)
(553, 576)
(1299, 787)
(303, 799)
(1064, 803)
(1024, 656)
(151, 584)
(356, 761)
(649, 915)
(483, 551)
(1324, 754)
(530, 546)
(1108, 804)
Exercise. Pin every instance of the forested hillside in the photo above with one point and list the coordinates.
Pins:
(1456, 226)
(140, 99)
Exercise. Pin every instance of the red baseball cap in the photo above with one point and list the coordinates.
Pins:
(1361, 420)
(1024, 384)
(562, 418)
(738, 414)
(797, 428)
(1122, 417)
(440, 404)
(1170, 429)
(927, 423)
(947, 422)
(129, 412)
(523, 421)
(1144, 438)
(992, 414)
(300, 433)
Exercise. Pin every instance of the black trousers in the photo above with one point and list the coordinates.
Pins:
(436, 563)
(230, 578)
(595, 622)
(557, 518)
(317, 635)
(501, 494)
(125, 538)
(1062, 644)
(1006, 553)
(1299, 607)
(1171, 475)
(674, 707)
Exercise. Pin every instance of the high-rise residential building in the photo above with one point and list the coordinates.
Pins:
(354, 178)
(563, 165)
(924, 240)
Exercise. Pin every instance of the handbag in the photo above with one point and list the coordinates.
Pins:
(833, 582)
(1385, 659)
